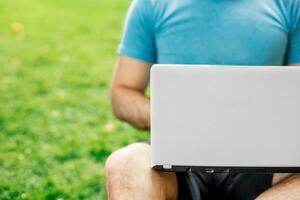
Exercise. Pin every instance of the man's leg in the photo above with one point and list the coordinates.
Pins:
(279, 177)
(129, 176)
(285, 187)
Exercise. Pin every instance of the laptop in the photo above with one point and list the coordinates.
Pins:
(225, 118)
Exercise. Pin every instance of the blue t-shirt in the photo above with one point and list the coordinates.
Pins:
(232, 32)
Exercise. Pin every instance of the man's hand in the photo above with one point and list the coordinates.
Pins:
(128, 98)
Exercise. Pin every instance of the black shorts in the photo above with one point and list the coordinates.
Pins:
(221, 186)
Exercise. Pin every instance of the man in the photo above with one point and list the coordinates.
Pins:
(233, 32)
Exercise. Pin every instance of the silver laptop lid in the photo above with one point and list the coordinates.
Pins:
(225, 117)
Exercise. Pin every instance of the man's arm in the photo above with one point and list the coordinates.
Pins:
(128, 98)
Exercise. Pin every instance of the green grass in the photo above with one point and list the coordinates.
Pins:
(56, 125)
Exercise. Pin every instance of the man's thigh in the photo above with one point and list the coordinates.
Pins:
(279, 177)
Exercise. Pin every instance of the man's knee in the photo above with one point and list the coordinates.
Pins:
(129, 168)
(126, 160)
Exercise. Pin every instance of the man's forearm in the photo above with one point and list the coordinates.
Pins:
(131, 106)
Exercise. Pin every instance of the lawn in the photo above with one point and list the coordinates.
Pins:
(56, 125)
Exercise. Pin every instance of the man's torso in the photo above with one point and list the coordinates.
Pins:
(235, 32)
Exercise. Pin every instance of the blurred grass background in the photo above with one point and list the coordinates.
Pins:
(56, 125)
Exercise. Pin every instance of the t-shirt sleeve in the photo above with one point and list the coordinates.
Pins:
(138, 35)
(294, 47)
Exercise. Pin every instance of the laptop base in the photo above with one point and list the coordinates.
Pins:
(211, 169)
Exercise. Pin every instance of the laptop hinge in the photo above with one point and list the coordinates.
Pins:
(167, 166)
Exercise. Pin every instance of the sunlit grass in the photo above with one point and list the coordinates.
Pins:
(56, 126)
